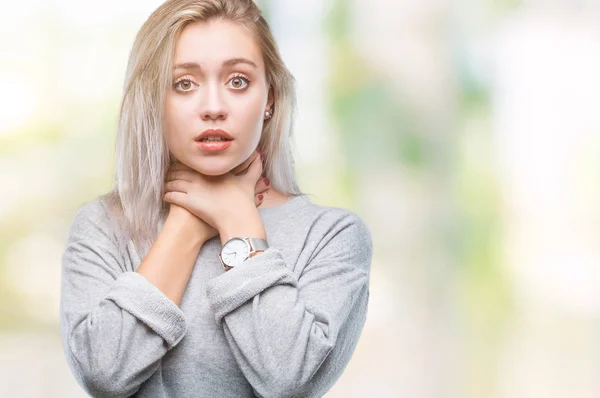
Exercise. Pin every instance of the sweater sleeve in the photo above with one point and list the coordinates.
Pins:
(284, 329)
(115, 325)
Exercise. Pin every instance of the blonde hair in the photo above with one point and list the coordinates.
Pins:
(141, 152)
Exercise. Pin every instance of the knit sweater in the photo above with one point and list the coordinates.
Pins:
(283, 324)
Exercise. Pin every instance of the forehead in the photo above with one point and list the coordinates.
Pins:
(211, 43)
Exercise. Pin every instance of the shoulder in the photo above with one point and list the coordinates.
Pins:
(89, 214)
(93, 219)
(339, 228)
(334, 218)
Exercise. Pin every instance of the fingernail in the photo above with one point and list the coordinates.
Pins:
(260, 197)
(267, 181)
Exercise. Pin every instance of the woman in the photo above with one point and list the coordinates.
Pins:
(206, 272)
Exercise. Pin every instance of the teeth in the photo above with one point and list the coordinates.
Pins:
(213, 139)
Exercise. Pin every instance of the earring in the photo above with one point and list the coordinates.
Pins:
(268, 115)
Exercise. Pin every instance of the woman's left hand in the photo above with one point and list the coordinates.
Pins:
(214, 198)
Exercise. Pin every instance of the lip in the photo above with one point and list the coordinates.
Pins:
(213, 133)
(214, 146)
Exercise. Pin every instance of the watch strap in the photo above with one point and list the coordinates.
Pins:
(257, 244)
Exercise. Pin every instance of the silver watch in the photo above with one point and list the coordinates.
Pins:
(237, 250)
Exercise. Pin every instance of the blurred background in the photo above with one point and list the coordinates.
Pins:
(465, 134)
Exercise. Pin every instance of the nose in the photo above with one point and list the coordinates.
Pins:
(213, 106)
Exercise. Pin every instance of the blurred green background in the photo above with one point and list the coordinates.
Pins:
(465, 134)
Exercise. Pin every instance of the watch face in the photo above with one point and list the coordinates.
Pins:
(234, 252)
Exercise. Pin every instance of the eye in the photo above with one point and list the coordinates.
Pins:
(184, 85)
(239, 82)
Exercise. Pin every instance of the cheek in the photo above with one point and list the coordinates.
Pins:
(176, 120)
(252, 116)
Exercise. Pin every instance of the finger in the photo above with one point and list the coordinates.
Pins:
(242, 168)
(262, 185)
(178, 198)
(258, 199)
(176, 186)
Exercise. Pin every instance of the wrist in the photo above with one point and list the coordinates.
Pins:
(186, 225)
(241, 224)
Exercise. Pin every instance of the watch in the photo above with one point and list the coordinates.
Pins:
(237, 250)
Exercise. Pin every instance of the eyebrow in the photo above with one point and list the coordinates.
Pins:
(229, 62)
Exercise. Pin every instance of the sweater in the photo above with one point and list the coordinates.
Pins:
(285, 323)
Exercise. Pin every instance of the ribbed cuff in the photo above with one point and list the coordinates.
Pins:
(135, 294)
(233, 288)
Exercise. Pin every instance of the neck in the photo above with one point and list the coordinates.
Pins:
(273, 198)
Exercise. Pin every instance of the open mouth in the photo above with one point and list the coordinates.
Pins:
(213, 139)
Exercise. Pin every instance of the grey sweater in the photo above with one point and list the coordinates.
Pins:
(285, 324)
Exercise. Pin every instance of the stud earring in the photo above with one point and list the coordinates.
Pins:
(268, 114)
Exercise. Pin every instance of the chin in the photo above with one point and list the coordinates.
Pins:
(212, 172)
(212, 166)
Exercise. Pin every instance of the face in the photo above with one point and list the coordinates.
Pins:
(219, 83)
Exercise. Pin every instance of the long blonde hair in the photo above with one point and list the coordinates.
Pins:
(141, 152)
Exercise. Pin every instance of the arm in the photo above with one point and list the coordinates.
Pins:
(116, 325)
(294, 336)
(170, 260)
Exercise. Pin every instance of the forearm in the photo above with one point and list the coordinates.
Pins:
(281, 335)
(115, 325)
(293, 327)
(242, 222)
(170, 261)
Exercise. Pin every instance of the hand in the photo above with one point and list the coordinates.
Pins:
(211, 198)
(195, 226)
